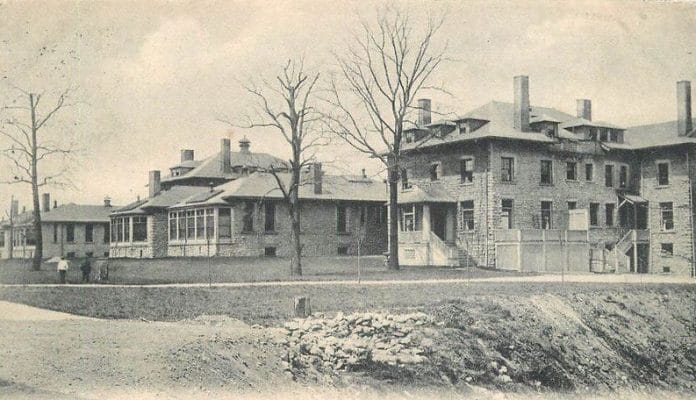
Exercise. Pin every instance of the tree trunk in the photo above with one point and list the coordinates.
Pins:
(294, 208)
(38, 237)
(393, 179)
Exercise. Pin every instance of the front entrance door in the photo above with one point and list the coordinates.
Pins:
(438, 222)
(643, 262)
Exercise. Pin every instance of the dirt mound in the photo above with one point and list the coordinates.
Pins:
(577, 342)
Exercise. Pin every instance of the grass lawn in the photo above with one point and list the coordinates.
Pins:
(240, 269)
(272, 304)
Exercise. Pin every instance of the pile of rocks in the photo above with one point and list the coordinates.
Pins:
(356, 341)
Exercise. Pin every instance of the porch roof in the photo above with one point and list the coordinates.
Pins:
(632, 198)
(434, 193)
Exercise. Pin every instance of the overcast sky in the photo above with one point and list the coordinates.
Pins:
(149, 78)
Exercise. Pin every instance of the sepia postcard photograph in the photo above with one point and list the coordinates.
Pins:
(328, 199)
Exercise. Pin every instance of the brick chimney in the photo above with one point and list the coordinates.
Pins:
(225, 163)
(424, 114)
(186, 155)
(154, 183)
(244, 144)
(684, 122)
(317, 178)
(584, 109)
(107, 201)
(46, 202)
(521, 113)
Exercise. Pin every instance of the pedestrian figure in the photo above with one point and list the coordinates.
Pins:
(86, 268)
(62, 268)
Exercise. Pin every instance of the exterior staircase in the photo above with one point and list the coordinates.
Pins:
(442, 253)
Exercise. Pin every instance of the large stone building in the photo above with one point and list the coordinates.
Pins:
(532, 188)
(70, 230)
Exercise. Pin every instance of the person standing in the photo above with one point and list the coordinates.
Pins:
(62, 268)
(86, 268)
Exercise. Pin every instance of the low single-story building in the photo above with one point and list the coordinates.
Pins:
(71, 230)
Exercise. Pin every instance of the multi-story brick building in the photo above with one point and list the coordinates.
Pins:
(71, 230)
(533, 188)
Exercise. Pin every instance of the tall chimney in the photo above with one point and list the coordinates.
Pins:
(584, 109)
(684, 123)
(14, 208)
(521, 117)
(186, 155)
(154, 183)
(424, 116)
(317, 178)
(225, 164)
(46, 202)
(107, 201)
(244, 144)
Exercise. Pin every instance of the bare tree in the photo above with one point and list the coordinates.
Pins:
(373, 93)
(286, 106)
(27, 150)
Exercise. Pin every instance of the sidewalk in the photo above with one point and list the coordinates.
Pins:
(557, 278)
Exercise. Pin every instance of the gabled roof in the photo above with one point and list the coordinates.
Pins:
(70, 212)
(653, 135)
(433, 193)
(163, 199)
(263, 185)
(211, 166)
(586, 122)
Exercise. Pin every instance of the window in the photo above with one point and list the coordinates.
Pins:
(609, 213)
(70, 233)
(89, 254)
(593, 134)
(434, 171)
(589, 172)
(404, 179)
(126, 229)
(602, 135)
(269, 251)
(507, 169)
(200, 224)
(571, 171)
(269, 217)
(139, 229)
(106, 233)
(467, 215)
(70, 255)
(506, 213)
(224, 223)
(613, 135)
(55, 233)
(89, 233)
(190, 224)
(341, 219)
(666, 216)
(572, 205)
(106, 254)
(667, 249)
(173, 228)
(609, 175)
(466, 170)
(209, 223)
(594, 214)
(181, 221)
(342, 250)
(546, 172)
(623, 176)
(411, 217)
(546, 213)
(663, 174)
(464, 127)
(248, 217)
(116, 230)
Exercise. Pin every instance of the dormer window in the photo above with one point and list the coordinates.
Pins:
(464, 127)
